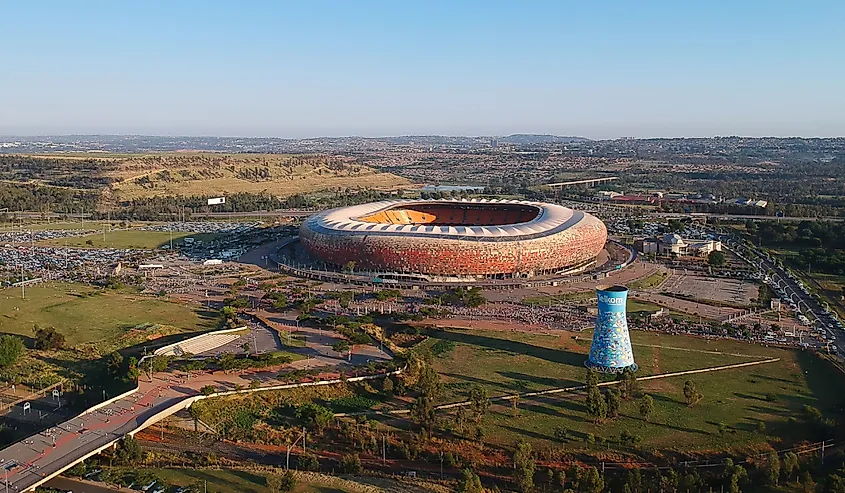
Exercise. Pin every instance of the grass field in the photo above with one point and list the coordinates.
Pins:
(133, 238)
(213, 174)
(506, 363)
(94, 323)
(649, 282)
(84, 314)
(231, 481)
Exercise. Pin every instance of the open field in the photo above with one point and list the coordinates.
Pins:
(135, 239)
(506, 363)
(732, 292)
(231, 481)
(213, 174)
(135, 176)
(84, 314)
(652, 281)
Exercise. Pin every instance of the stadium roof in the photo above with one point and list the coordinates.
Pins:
(550, 218)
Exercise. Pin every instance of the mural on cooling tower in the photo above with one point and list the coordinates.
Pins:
(611, 349)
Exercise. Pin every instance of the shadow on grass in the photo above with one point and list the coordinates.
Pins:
(258, 483)
(553, 355)
(542, 381)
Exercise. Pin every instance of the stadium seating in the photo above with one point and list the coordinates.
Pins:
(200, 344)
(464, 215)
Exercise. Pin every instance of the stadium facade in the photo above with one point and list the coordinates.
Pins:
(456, 238)
(611, 349)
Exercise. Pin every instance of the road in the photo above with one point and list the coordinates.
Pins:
(812, 309)
(28, 462)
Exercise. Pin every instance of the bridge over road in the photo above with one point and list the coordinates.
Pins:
(34, 461)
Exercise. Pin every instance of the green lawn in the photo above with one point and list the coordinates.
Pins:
(230, 481)
(84, 314)
(649, 282)
(506, 363)
(132, 238)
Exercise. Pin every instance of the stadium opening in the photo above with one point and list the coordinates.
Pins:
(456, 238)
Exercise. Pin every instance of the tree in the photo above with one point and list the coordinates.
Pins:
(11, 348)
(207, 389)
(132, 370)
(560, 480)
(341, 346)
(285, 482)
(307, 462)
(691, 393)
(790, 465)
(596, 405)
(114, 363)
(350, 464)
(469, 482)
(716, 258)
(48, 338)
(591, 481)
(646, 407)
(772, 468)
(349, 267)
(315, 415)
(614, 404)
(387, 386)
(592, 379)
(422, 411)
(128, 451)
(480, 402)
(524, 465)
(428, 383)
(630, 385)
(159, 363)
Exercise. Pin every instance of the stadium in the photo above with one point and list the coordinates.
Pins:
(475, 238)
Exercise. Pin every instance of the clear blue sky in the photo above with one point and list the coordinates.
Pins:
(294, 69)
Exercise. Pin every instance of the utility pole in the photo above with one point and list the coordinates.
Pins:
(383, 449)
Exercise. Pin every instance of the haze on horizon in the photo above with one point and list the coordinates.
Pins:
(378, 68)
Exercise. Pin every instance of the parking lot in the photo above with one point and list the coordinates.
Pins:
(731, 291)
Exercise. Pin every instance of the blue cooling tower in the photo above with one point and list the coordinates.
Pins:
(611, 349)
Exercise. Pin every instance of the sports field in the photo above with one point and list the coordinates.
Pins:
(132, 238)
(734, 402)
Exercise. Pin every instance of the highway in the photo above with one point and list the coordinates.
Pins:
(812, 309)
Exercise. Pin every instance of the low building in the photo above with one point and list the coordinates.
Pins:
(646, 245)
(673, 244)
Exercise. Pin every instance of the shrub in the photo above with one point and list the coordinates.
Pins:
(308, 462)
(48, 338)
(350, 464)
(11, 348)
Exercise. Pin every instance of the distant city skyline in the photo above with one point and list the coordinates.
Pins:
(376, 69)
